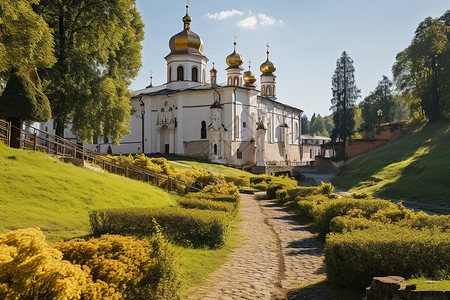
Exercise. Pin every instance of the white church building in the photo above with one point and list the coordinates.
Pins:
(234, 123)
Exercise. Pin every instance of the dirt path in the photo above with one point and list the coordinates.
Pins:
(276, 253)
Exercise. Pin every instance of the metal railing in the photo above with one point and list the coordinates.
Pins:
(32, 138)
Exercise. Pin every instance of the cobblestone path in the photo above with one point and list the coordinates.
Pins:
(275, 253)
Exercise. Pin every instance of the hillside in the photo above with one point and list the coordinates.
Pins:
(37, 190)
(416, 167)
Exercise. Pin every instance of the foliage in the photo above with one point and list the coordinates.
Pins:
(422, 69)
(325, 189)
(354, 258)
(97, 50)
(192, 201)
(25, 38)
(242, 181)
(23, 99)
(425, 284)
(186, 226)
(344, 93)
(305, 124)
(318, 127)
(276, 183)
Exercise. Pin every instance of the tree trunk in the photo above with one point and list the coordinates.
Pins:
(60, 128)
(16, 125)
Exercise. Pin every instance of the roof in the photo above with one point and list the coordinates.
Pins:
(315, 137)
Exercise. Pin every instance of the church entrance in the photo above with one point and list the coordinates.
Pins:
(164, 139)
(166, 148)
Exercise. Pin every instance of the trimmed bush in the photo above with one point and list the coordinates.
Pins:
(282, 195)
(195, 202)
(326, 189)
(353, 258)
(241, 181)
(301, 191)
(262, 186)
(184, 226)
(305, 206)
(233, 198)
(327, 210)
(278, 183)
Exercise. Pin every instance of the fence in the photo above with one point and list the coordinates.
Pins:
(32, 138)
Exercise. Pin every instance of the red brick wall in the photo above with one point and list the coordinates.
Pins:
(358, 147)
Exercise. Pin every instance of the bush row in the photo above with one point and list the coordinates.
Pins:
(193, 201)
(110, 267)
(184, 226)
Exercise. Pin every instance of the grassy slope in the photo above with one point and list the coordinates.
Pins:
(39, 191)
(230, 171)
(415, 167)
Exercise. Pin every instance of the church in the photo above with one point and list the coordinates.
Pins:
(233, 123)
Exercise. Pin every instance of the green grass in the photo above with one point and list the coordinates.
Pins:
(325, 290)
(224, 170)
(414, 168)
(37, 190)
(443, 285)
(196, 265)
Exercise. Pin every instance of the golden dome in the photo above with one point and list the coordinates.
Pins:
(267, 66)
(249, 78)
(186, 41)
(234, 59)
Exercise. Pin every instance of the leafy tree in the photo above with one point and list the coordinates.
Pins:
(23, 100)
(344, 93)
(357, 115)
(313, 118)
(318, 127)
(25, 38)
(97, 46)
(382, 98)
(422, 69)
(329, 125)
(305, 125)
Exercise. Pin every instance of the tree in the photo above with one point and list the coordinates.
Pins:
(318, 127)
(381, 98)
(329, 125)
(313, 118)
(97, 46)
(305, 125)
(25, 38)
(345, 93)
(423, 67)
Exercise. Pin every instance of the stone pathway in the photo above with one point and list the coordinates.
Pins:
(276, 253)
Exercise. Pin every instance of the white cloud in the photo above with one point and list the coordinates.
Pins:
(265, 20)
(224, 14)
(249, 23)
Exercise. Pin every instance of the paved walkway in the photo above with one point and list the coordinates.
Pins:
(276, 253)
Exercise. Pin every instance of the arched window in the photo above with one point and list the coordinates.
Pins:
(236, 81)
(180, 73)
(169, 75)
(274, 94)
(263, 90)
(230, 80)
(162, 109)
(244, 124)
(215, 149)
(203, 130)
(310, 153)
(236, 127)
(194, 74)
(268, 90)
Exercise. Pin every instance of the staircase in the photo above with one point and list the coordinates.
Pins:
(35, 139)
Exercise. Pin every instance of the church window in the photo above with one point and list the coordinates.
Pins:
(194, 74)
(263, 90)
(236, 127)
(203, 130)
(268, 91)
(169, 75)
(215, 149)
(162, 109)
(239, 154)
(180, 73)
(310, 153)
(236, 81)
(244, 124)
(230, 80)
(274, 90)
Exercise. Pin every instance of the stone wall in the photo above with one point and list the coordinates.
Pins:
(357, 147)
(197, 149)
(391, 288)
(384, 132)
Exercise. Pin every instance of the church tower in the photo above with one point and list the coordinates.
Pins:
(186, 65)
(268, 79)
(216, 131)
(234, 70)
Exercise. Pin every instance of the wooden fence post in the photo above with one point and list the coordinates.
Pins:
(35, 141)
(8, 134)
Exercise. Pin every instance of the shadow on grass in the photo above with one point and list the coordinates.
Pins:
(324, 290)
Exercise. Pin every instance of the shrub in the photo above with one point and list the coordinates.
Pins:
(305, 206)
(241, 181)
(195, 202)
(192, 226)
(260, 179)
(327, 210)
(361, 196)
(133, 269)
(353, 258)
(234, 198)
(326, 189)
(282, 195)
(262, 186)
(278, 183)
(348, 223)
(301, 191)
(222, 188)
(421, 220)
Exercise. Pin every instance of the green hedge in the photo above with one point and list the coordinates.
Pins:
(184, 226)
(353, 258)
(195, 202)
(241, 181)
(233, 198)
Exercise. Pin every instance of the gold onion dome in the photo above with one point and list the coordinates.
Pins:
(234, 60)
(249, 78)
(186, 41)
(267, 66)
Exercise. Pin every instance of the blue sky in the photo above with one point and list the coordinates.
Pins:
(306, 38)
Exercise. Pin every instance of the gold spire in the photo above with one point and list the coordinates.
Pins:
(267, 66)
(249, 78)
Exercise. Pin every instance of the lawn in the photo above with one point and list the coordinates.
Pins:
(37, 190)
(423, 284)
(224, 170)
(414, 168)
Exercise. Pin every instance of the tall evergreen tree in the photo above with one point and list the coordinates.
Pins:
(98, 51)
(381, 98)
(345, 93)
(305, 124)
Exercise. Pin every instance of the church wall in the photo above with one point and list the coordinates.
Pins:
(248, 153)
(197, 149)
